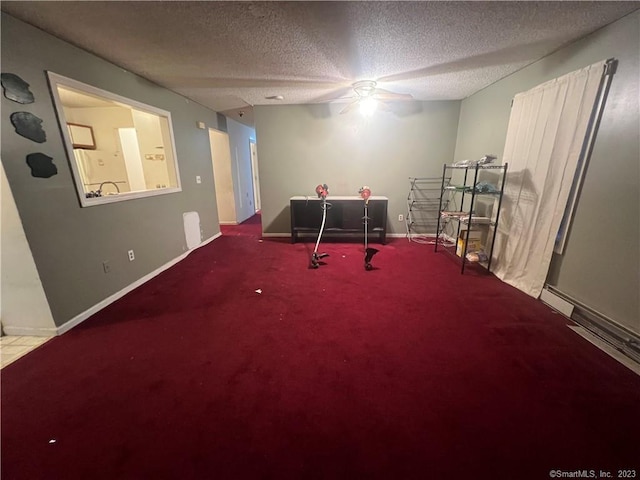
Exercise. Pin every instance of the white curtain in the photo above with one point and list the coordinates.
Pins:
(546, 133)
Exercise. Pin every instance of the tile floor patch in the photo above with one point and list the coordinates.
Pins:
(14, 347)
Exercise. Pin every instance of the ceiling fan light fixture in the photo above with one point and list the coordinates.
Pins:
(364, 88)
(368, 106)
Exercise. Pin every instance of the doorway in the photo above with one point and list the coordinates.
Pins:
(223, 177)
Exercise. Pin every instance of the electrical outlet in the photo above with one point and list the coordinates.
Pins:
(400, 217)
(132, 256)
(106, 267)
(198, 179)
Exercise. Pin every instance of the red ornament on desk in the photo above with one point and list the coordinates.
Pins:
(322, 191)
(365, 193)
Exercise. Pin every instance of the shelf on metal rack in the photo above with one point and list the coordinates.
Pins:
(465, 219)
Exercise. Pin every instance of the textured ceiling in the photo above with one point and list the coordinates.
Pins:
(232, 55)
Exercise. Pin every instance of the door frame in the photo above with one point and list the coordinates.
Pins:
(255, 178)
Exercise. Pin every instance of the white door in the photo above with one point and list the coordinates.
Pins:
(222, 176)
(254, 169)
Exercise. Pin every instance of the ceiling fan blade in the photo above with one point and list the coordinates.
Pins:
(342, 93)
(380, 105)
(350, 107)
(384, 106)
(382, 94)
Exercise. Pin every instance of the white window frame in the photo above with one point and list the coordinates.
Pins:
(54, 81)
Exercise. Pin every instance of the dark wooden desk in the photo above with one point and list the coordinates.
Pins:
(345, 216)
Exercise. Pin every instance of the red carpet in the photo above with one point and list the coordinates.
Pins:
(250, 227)
(407, 371)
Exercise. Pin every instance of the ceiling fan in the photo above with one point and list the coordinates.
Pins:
(368, 97)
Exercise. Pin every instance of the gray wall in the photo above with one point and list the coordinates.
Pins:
(300, 146)
(69, 243)
(601, 263)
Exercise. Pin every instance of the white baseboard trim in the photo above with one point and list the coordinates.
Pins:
(65, 327)
(397, 235)
(607, 348)
(276, 235)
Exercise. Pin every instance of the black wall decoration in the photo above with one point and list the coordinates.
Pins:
(16, 89)
(29, 126)
(41, 165)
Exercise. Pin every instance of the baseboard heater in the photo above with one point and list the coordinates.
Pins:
(618, 336)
